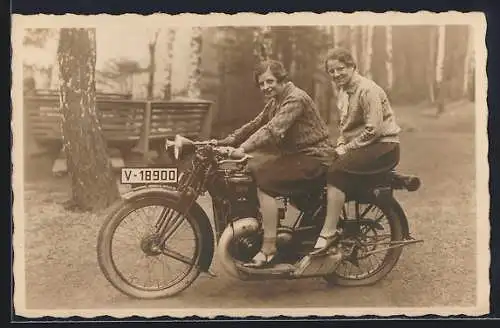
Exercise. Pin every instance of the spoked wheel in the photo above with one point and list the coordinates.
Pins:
(134, 260)
(369, 232)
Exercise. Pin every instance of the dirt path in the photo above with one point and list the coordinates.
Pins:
(62, 271)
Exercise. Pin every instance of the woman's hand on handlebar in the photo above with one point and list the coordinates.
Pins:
(237, 153)
(225, 150)
(228, 141)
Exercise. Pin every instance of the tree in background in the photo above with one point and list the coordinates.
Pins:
(337, 36)
(167, 91)
(388, 59)
(236, 51)
(353, 41)
(439, 80)
(468, 79)
(89, 167)
(263, 43)
(41, 59)
(152, 63)
(117, 74)
(193, 87)
(367, 50)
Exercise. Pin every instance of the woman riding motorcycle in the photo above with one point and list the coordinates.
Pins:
(292, 146)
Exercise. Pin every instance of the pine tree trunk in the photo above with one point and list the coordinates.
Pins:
(368, 51)
(468, 61)
(257, 40)
(441, 36)
(362, 50)
(337, 36)
(353, 35)
(194, 91)
(168, 68)
(54, 83)
(152, 66)
(388, 61)
(432, 64)
(263, 44)
(151, 71)
(93, 184)
(331, 36)
(293, 53)
(440, 53)
(267, 43)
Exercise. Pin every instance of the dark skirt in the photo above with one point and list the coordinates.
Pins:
(285, 174)
(357, 168)
(289, 174)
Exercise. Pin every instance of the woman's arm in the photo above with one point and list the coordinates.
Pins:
(371, 102)
(274, 130)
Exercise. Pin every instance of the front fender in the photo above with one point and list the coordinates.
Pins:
(207, 242)
(144, 191)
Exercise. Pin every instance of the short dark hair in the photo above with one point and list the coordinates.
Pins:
(342, 55)
(276, 68)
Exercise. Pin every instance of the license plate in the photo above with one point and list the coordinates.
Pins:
(149, 175)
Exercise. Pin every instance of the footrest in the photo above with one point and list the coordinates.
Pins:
(278, 269)
(317, 265)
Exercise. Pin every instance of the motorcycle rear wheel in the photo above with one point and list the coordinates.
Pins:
(107, 262)
(390, 259)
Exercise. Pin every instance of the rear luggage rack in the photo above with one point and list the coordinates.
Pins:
(403, 181)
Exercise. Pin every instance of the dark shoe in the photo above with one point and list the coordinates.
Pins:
(260, 260)
(329, 241)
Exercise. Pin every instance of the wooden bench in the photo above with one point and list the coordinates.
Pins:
(165, 119)
(129, 126)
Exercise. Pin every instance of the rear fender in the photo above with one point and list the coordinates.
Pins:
(207, 241)
(385, 195)
(394, 204)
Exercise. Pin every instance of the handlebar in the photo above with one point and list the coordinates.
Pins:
(236, 161)
(180, 142)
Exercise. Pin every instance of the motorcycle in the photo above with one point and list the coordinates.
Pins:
(372, 222)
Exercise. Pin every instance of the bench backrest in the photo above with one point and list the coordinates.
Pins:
(125, 120)
(191, 119)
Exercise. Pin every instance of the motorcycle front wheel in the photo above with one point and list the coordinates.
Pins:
(133, 261)
(371, 231)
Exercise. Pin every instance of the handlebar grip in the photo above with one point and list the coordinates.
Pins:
(236, 161)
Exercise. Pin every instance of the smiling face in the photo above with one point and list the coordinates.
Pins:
(269, 85)
(340, 73)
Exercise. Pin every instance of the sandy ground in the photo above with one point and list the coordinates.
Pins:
(62, 271)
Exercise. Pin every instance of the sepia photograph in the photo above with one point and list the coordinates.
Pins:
(250, 165)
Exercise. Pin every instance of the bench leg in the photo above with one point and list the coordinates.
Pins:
(34, 149)
(116, 158)
(60, 166)
(31, 146)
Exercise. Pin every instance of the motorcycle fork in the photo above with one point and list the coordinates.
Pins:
(170, 219)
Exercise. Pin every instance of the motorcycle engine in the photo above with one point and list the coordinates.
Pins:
(239, 184)
(241, 191)
(284, 238)
(247, 245)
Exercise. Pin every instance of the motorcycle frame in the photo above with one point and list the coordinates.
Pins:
(202, 177)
